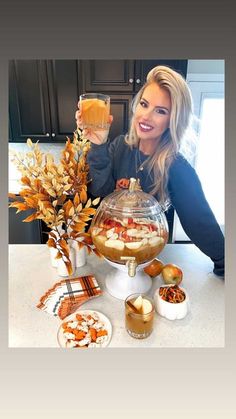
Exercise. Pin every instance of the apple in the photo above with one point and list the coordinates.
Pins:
(138, 302)
(146, 306)
(154, 268)
(172, 274)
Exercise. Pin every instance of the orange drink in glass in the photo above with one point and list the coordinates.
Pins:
(139, 315)
(95, 110)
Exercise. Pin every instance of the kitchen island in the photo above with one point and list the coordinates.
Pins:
(31, 275)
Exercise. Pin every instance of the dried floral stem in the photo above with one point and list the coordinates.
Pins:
(57, 194)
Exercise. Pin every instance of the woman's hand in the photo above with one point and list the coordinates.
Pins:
(97, 137)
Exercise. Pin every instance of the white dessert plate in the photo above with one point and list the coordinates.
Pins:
(62, 340)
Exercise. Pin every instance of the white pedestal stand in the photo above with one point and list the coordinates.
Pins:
(119, 284)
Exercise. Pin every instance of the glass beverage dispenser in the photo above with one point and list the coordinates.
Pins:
(129, 229)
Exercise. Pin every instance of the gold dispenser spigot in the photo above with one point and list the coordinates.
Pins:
(131, 264)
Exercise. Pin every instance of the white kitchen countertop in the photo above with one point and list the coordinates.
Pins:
(31, 274)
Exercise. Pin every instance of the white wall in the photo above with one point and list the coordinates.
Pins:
(206, 66)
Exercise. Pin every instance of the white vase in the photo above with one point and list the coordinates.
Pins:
(80, 254)
(53, 251)
(80, 257)
(61, 266)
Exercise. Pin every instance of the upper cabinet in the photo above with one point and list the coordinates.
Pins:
(108, 75)
(28, 100)
(43, 94)
(43, 98)
(64, 83)
(143, 67)
(122, 75)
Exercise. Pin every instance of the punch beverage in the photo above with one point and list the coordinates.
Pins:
(139, 315)
(95, 110)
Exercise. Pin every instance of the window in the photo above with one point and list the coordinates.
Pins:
(208, 99)
(210, 152)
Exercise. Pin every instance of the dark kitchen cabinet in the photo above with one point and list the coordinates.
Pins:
(28, 100)
(64, 82)
(108, 75)
(43, 97)
(24, 233)
(142, 67)
(128, 76)
(120, 107)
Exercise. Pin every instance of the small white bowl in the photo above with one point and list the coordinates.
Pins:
(171, 311)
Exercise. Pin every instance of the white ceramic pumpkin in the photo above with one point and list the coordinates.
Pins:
(171, 311)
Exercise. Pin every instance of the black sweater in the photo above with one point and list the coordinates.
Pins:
(115, 160)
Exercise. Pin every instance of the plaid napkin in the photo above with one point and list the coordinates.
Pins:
(67, 295)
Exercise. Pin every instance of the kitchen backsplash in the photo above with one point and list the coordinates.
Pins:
(14, 175)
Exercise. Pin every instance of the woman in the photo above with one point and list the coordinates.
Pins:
(150, 151)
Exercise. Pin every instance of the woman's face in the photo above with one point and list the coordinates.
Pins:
(152, 115)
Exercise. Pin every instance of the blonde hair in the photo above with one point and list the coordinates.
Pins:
(169, 145)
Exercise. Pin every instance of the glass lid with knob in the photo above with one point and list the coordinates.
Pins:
(129, 223)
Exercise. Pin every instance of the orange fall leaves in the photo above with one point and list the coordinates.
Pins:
(57, 194)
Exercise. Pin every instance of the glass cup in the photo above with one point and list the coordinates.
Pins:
(95, 110)
(139, 324)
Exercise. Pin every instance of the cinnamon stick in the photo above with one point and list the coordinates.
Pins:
(133, 307)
